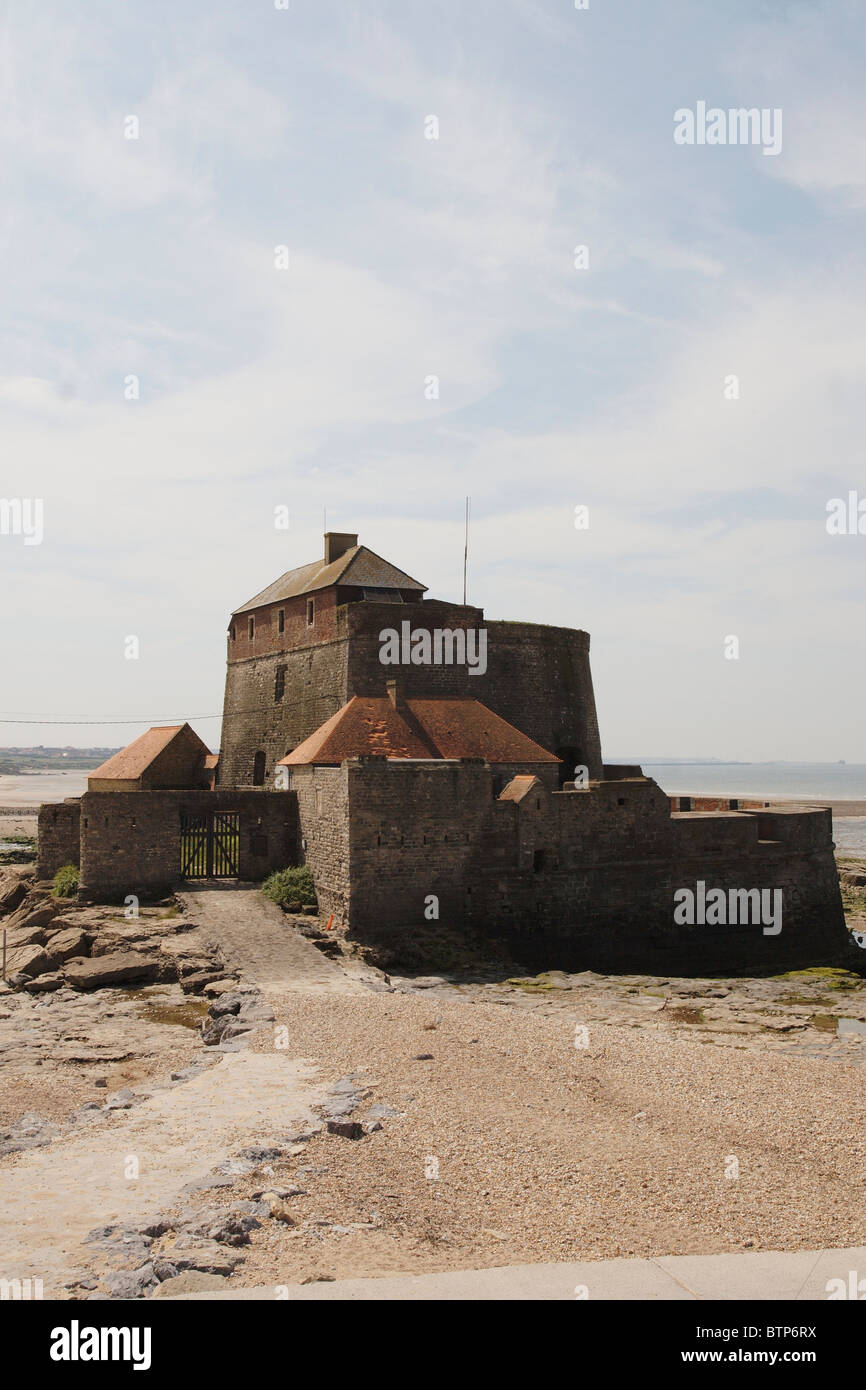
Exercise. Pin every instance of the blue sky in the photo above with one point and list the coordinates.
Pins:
(408, 257)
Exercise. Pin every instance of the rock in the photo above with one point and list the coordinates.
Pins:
(347, 1129)
(155, 1229)
(217, 988)
(342, 1098)
(254, 1012)
(63, 945)
(44, 984)
(209, 1258)
(282, 1192)
(236, 1029)
(371, 1126)
(27, 961)
(121, 967)
(235, 1167)
(261, 1153)
(38, 917)
(226, 1004)
(25, 936)
(234, 1229)
(164, 1269)
(131, 1285)
(384, 1112)
(124, 1099)
(28, 1132)
(191, 1281)
(121, 1243)
(213, 1029)
(195, 983)
(423, 1057)
(11, 895)
(278, 1209)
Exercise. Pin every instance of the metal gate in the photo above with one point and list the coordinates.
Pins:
(210, 844)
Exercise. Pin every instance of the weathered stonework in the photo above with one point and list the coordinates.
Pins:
(573, 879)
(130, 841)
(538, 678)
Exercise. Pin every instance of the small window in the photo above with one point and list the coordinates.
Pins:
(281, 620)
(252, 629)
(620, 801)
(538, 861)
(232, 630)
(259, 769)
(311, 611)
(279, 683)
(538, 803)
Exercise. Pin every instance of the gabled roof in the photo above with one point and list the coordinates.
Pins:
(444, 727)
(358, 566)
(134, 760)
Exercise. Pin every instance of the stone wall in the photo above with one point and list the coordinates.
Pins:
(538, 678)
(579, 879)
(58, 836)
(130, 841)
(254, 720)
(323, 800)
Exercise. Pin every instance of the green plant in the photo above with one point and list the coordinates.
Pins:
(291, 886)
(66, 881)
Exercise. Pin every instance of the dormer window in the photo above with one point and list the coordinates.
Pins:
(252, 628)
(311, 611)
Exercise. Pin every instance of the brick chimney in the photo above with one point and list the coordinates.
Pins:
(337, 543)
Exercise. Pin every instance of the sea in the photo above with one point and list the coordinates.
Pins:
(821, 781)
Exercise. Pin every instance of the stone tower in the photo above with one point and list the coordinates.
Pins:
(299, 650)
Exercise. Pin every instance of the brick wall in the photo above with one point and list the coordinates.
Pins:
(297, 632)
(57, 837)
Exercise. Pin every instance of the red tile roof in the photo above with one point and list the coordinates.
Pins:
(445, 727)
(134, 760)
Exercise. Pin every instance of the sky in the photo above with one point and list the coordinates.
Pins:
(323, 258)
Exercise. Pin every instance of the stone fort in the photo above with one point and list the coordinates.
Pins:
(433, 768)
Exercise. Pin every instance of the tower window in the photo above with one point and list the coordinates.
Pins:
(233, 631)
(281, 620)
(311, 611)
(259, 769)
(279, 683)
(252, 628)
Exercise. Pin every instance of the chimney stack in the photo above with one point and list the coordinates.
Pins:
(396, 691)
(337, 543)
